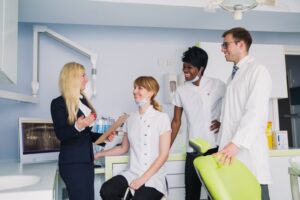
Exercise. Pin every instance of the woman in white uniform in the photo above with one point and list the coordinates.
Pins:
(147, 137)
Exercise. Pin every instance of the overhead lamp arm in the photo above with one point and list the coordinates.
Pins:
(44, 29)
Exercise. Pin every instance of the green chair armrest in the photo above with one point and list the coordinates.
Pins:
(199, 145)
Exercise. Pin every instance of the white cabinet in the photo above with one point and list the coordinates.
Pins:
(8, 40)
(175, 172)
(280, 187)
(272, 56)
(279, 163)
(175, 178)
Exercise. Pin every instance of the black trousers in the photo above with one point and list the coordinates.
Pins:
(192, 182)
(264, 192)
(115, 188)
(79, 179)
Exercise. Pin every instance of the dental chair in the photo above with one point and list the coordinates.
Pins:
(224, 182)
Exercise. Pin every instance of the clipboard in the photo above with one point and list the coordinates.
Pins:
(113, 127)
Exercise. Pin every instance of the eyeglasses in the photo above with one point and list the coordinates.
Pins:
(225, 45)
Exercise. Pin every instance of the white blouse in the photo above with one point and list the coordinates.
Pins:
(201, 105)
(144, 132)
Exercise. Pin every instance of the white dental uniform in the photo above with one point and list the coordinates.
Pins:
(144, 132)
(245, 114)
(201, 105)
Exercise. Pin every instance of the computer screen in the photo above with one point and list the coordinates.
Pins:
(37, 140)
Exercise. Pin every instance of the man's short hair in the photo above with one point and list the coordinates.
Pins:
(240, 34)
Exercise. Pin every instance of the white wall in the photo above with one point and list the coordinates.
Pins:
(124, 53)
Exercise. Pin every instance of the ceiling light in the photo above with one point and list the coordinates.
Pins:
(237, 7)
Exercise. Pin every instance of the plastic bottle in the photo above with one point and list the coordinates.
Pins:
(100, 125)
(269, 135)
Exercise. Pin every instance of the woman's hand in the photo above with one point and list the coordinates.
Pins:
(83, 122)
(111, 136)
(137, 183)
(97, 155)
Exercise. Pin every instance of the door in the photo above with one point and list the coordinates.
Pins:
(289, 108)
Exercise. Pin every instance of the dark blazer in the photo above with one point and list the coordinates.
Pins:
(75, 147)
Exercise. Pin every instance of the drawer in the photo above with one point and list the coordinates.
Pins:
(175, 180)
(175, 167)
(117, 168)
(176, 194)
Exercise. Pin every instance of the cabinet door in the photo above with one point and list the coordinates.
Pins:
(272, 56)
(280, 188)
(175, 174)
(1, 31)
(8, 40)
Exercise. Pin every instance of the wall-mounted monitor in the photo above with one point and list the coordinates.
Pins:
(37, 141)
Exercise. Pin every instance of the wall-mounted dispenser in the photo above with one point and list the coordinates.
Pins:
(170, 85)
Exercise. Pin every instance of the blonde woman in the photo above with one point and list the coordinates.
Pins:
(72, 115)
(147, 137)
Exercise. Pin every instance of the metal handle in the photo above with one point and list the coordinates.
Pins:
(292, 115)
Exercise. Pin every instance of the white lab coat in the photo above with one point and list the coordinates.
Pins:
(245, 114)
(201, 104)
(144, 132)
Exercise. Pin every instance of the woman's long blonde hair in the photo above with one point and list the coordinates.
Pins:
(69, 85)
(150, 84)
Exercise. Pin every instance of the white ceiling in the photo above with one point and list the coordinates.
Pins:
(284, 17)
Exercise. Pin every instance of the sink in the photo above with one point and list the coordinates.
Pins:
(12, 182)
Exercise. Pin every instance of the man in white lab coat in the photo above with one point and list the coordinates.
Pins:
(245, 109)
(200, 98)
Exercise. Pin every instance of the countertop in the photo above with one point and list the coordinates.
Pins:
(44, 189)
(284, 152)
(181, 156)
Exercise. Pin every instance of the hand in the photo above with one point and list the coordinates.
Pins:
(226, 155)
(111, 136)
(137, 183)
(83, 122)
(215, 126)
(97, 155)
(94, 115)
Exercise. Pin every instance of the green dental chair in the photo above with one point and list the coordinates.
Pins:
(224, 182)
